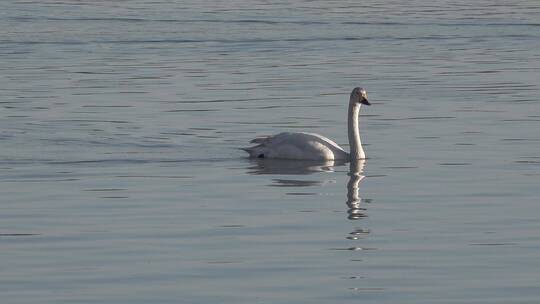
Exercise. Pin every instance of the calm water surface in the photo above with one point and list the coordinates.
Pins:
(121, 180)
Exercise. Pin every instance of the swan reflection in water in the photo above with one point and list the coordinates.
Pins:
(356, 168)
(294, 167)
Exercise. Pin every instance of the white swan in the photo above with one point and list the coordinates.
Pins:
(311, 146)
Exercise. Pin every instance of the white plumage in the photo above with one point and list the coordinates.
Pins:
(297, 145)
(311, 146)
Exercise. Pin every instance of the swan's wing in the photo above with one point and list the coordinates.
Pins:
(323, 140)
(303, 138)
(295, 145)
(272, 140)
(260, 140)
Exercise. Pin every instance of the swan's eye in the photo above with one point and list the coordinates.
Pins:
(363, 94)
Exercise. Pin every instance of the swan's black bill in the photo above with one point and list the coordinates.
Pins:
(365, 101)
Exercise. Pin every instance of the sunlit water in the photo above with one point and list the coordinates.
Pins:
(121, 181)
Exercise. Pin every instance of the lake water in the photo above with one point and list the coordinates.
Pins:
(121, 179)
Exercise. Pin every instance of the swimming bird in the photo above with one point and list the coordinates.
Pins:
(311, 146)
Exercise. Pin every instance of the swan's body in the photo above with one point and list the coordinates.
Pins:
(310, 146)
(297, 145)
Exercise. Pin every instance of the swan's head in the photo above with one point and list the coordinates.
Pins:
(360, 95)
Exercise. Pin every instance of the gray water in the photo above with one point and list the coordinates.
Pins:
(121, 179)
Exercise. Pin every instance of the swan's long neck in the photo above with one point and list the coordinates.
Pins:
(357, 152)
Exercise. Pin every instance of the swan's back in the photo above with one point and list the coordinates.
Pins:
(296, 145)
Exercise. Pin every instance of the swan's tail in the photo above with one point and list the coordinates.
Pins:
(255, 151)
(248, 150)
(259, 151)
